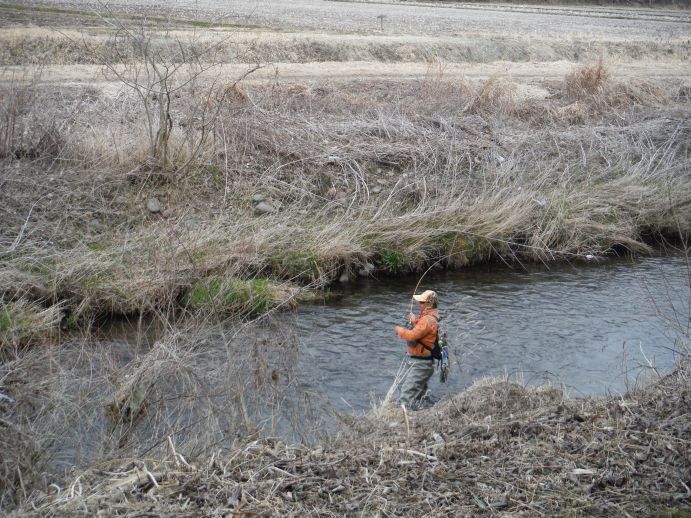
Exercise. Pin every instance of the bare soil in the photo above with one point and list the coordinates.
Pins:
(430, 19)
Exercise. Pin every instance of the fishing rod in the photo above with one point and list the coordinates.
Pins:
(544, 249)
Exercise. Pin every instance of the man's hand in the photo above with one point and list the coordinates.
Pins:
(399, 330)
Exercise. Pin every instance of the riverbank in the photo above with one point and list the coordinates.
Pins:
(254, 187)
(496, 448)
(292, 187)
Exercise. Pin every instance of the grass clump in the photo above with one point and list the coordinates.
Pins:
(298, 264)
(24, 323)
(393, 261)
(588, 79)
(225, 296)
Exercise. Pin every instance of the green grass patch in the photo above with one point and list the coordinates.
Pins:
(5, 319)
(393, 261)
(97, 246)
(298, 265)
(253, 296)
(46, 267)
(72, 322)
(95, 281)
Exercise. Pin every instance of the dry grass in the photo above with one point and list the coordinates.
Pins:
(24, 323)
(87, 401)
(497, 447)
(89, 42)
(365, 182)
(397, 176)
(365, 179)
(592, 88)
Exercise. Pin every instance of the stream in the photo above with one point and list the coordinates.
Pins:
(588, 329)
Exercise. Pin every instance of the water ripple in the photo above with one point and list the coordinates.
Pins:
(568, 326)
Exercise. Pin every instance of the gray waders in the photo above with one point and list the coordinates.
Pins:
(414, 385)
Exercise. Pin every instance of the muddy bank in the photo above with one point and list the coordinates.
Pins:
(497, 447)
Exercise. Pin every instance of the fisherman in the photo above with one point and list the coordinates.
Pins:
(421, 339)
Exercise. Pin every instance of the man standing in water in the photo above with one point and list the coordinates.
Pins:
(421, 339)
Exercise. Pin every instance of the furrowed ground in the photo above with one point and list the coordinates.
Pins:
(206, 162)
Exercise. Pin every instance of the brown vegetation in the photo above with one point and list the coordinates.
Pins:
(189, 196)
(422, 171)
(495, 448)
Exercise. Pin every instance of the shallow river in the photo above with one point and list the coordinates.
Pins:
(587, 329)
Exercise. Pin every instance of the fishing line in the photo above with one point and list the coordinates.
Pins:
(547, 251)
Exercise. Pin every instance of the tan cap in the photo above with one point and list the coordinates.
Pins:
(426, 296)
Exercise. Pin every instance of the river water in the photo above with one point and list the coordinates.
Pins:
(588, 329)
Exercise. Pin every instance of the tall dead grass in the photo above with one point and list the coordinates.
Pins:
(593, 87)
(495, 448)
(197, 388)
(389, 179)
(86, 43)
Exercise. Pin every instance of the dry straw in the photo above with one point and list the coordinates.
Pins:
(497, 447)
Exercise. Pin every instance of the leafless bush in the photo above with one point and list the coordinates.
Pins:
(159, 78)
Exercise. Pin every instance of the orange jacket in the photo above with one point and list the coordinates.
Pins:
(424, 332)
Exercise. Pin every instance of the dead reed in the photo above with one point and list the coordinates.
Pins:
(495, 448)
(82, 40)
(387, 180)
(200, 386)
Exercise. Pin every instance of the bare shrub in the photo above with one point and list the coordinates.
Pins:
(158, 77)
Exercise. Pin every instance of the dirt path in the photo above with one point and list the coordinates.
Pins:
(532, 75)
